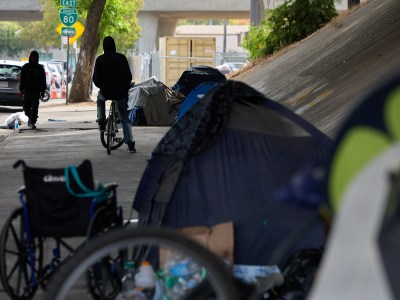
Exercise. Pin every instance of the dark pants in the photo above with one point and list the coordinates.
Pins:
(31, 106)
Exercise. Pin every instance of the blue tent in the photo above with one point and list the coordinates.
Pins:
(223, 161)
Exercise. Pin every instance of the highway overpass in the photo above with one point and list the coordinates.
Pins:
(20, 10)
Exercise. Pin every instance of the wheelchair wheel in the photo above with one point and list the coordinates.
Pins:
(19, 269)
(67, 280)
(104, 278)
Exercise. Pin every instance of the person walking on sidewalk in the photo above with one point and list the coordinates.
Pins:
(113, 77)
(32, 86)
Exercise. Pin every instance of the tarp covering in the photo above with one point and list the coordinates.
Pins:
(158, 108)
(223, 161)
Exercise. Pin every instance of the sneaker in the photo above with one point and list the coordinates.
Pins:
(131, 148)
(102, 125)
(33, 126)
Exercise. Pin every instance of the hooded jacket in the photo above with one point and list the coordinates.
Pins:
(111, 72)
(33, 76)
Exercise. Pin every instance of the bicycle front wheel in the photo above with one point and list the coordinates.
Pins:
(119, 140)
(113, 136)
(205, 267)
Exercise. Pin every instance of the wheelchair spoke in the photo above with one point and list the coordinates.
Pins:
(17, 269)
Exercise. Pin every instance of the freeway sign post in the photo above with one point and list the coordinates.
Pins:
(69, 3)
(79, 29)
(68, 16)
(68, 31)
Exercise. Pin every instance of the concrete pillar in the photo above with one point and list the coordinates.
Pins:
(149, 25)
(153, 27)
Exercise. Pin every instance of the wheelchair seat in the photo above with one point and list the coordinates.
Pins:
(53, 211)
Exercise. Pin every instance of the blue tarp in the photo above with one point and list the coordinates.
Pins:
(196, 95)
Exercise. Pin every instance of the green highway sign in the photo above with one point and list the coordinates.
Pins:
(68, 31)
(68, 16)
(69, 3)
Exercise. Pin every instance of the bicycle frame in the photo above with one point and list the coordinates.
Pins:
(111, 138)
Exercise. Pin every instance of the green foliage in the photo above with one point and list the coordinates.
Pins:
(42, 34)
(10, 43)
(18, 39)
(286, 24)
(120, 21)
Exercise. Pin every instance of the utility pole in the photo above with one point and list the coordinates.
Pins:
(224, 44)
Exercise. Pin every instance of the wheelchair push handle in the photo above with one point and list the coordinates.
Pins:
(18, 163)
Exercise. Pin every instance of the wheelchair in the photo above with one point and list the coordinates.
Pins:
(61, 210)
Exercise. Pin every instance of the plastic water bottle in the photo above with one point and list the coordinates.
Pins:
(145, 279)
(129, 291)
(181, 274)
(16, 125)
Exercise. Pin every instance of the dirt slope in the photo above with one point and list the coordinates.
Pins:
(323, 76)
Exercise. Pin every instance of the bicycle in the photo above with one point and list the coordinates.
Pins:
(112, 137)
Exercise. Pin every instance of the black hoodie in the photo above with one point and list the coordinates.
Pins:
(111, 72)
(33, 76)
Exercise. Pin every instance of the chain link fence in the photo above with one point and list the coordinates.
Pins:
(145, 65)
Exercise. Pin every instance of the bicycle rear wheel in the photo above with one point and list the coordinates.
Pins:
(110, 130)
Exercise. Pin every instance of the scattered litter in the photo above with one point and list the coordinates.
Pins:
(10, 121)
(53, 120)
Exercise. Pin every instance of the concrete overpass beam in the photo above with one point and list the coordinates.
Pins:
(166, 27)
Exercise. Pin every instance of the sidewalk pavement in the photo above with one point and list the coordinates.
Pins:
(56, 107)
(67, 134)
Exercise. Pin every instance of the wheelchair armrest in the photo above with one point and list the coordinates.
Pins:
(110, 186)
(22, 189)
(18, 163)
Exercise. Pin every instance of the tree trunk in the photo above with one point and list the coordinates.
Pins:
(89, 46)
(352, 3)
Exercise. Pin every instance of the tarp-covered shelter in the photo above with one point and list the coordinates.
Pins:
(362, 258)
(223, 161)
(195, 75)
(151, 96)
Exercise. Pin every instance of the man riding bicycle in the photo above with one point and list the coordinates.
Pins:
(113, 77)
